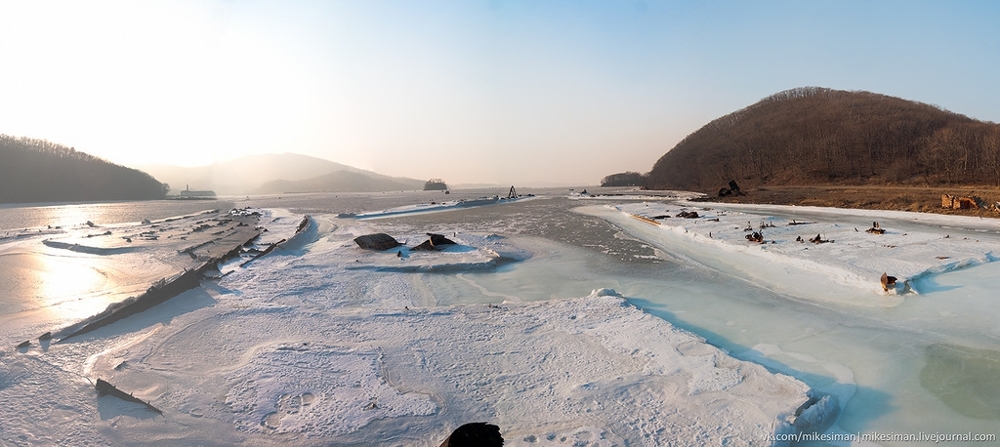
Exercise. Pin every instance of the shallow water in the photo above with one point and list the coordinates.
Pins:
(16, 217)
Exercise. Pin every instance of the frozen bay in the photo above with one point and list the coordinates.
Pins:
(888, 366)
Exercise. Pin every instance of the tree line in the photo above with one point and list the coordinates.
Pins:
(815, 135)
(435, 184)
(627, 178)
(33, 170)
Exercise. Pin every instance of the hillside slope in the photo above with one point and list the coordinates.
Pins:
(40, 171)
(243, 175)
(274, 173)
(812, 135)
(342, 181)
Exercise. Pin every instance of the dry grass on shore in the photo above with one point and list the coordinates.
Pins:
(900, 198)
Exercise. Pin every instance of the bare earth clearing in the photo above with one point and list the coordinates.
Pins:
(899, 198)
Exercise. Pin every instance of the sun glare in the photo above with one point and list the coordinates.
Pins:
(66, 287)
(63, 281)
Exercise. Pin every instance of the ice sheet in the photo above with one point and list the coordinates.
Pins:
(844, 270)
(322, 342)
(437, 207)
(880, 355)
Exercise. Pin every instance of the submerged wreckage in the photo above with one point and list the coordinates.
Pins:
(105, 388)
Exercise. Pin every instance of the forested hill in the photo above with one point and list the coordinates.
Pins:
(39, 171)
(821, 136)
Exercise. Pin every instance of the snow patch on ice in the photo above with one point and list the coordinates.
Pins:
(852, 260)
(318, 390)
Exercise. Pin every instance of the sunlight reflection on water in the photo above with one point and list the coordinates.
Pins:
(55, 283)
(66, 278)
(15, 216)
(41, 283)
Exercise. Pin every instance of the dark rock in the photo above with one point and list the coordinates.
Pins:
(819, 240)
(476, 434)
(875, 229)
(734, 188)
(377, 241)
(426, 245)
(887, 281)
(438, 239)
(434, 243)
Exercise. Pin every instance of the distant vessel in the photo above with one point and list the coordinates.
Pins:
(189, 194)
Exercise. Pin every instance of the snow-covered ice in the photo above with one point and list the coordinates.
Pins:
(867, 349)
(850, 260)
(439, 206)
(323, 343)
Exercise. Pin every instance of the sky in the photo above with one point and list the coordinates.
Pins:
(493, 91)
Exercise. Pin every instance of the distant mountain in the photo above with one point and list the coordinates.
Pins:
(272, 173)
(815, 135)
(40, 171)
(342, 181)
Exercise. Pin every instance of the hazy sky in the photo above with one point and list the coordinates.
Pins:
(510, 92)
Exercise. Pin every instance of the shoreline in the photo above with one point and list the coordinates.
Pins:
(719, 238)
(920, 199)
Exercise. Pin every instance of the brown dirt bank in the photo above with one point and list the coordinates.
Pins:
(901, 198)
